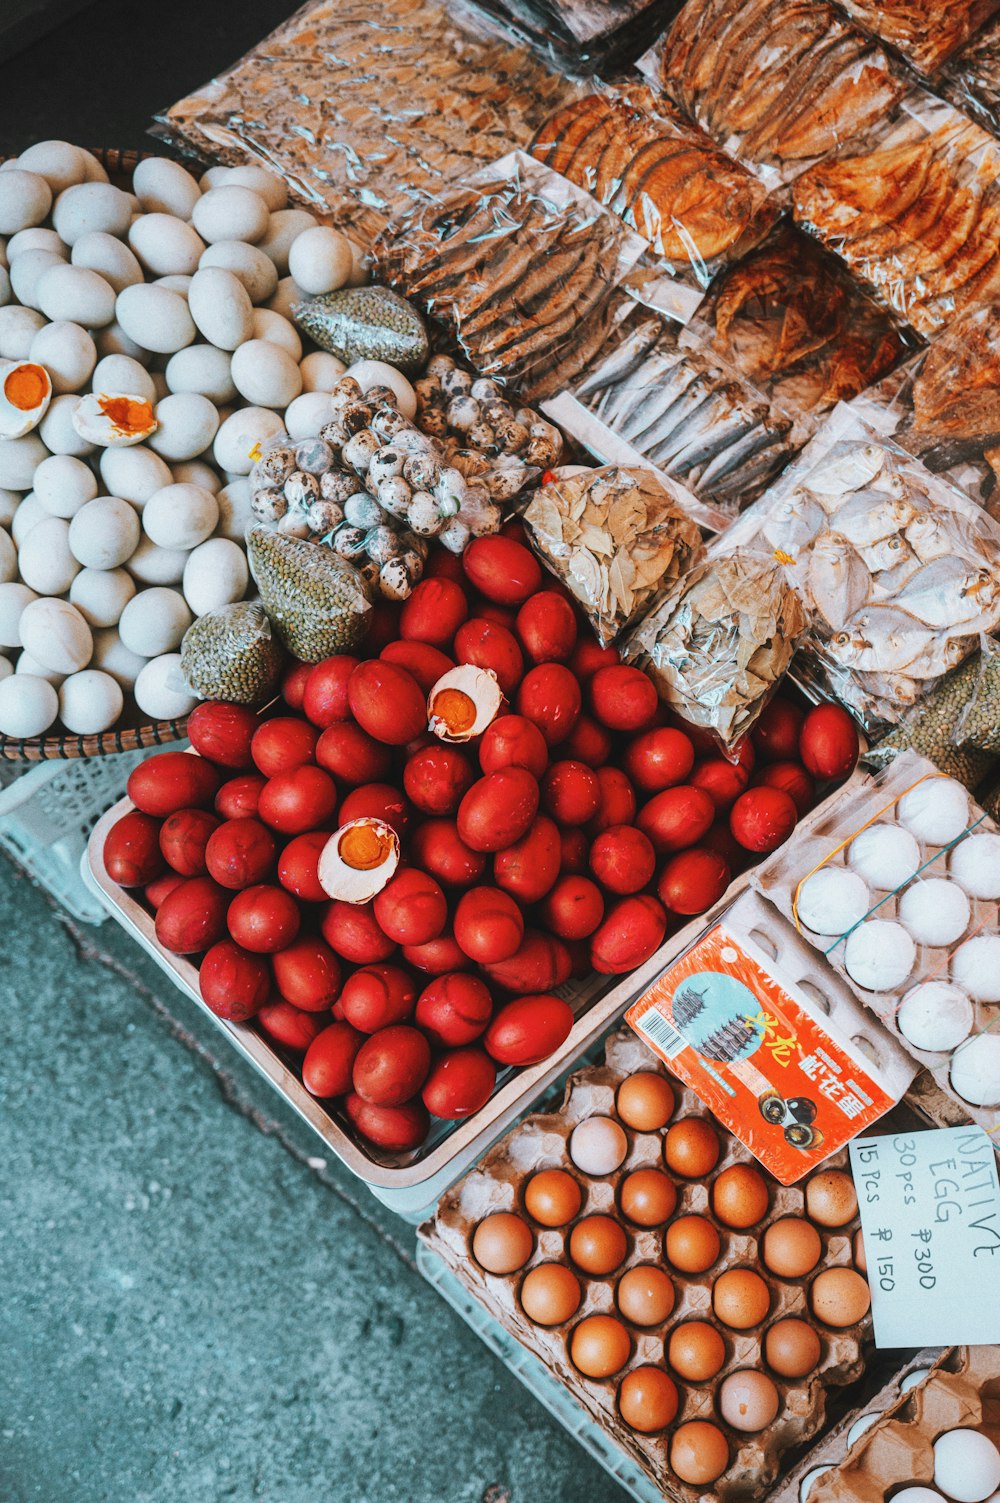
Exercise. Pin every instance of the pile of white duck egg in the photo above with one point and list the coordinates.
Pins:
(147, 354)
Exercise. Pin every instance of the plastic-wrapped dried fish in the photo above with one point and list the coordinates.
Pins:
(932, 728)
(914, 211)
(971, 79)
(717, 644)
(924, 31)
(615, 537)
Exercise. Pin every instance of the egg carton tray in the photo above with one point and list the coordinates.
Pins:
(823, 840)
(541, 1141)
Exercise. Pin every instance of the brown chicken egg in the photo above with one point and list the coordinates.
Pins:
(840, 1297)
(741, 1298)
(645, 1295)
(748, 1401)
(600, 1346)
(552, 1197)
(699, 1452)
(739, 1196)
(550, 1294)
(696, 1351)
(648, 1197)
(692, 1244)
(831, 1199)
(597, 1244)
(502, 1243)
(860, 1256)
(648, 1399)
(645, 1101)
(791, 1247)
(792, 1348)
(691, 1148)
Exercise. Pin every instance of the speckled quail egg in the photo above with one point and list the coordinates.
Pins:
(358, 860)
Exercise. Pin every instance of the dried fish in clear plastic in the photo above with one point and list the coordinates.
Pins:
(513, 263)
(601, 32)
(932, 728)
(979, 725)
(638, 157)
(914, 211)
(718, 643)
(971, 79)
(776, 87)
(899, 571)
(366, 112)
(924, 31)
(615, 537)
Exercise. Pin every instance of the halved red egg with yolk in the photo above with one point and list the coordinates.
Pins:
(25, 393)
(358, 860)
(463, 702)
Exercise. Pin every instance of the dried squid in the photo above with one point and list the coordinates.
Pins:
(924, 31)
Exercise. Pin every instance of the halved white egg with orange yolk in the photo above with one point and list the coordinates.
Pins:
(115, 420)
(25, 393)
(463, 702)
(358, 860)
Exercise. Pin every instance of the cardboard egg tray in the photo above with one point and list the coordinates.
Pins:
(824, 839)
(540, 1142)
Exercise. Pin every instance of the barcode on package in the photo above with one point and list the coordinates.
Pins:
(662, 1033)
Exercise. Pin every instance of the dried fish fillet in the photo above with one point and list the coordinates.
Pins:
(971, 79)
(924, 31)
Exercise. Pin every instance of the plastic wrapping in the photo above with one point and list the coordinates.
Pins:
(934, 728)
(775, 91)
(913, 211)
(596, 31)
(232, 653)
(513, 262)
(317, 602)
(898, 572)
(924, 31)
(615, 537)
(978, 727)
(366, 323)
(897, 883)
(717, 645)
(666, 179)
(366, 113)
(972, 78)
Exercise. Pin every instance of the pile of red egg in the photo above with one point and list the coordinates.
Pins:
(427, 843)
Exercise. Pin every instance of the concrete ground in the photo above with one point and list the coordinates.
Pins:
(197, 1305)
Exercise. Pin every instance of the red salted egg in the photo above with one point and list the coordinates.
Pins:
(392, 1065)
(436, 778)
(692, 881)
(442, 564)
(192, 917)
(282, 744)
(775, 736)
(395, 1128)
(723, 782)
(589, 657)
(529, 867)
(436, 847)
(616, 801)
(629, 935)
(238, 799)
(828, 742)
(160, 888)
(540, 964)
(791, 778)
(223, 733)
(424, 662)
(493, 647)
(294, 802)
(328, 1067)
(623, 698)
(574, 908)
(433, 612)
(240, 853)
(573, 848)
(170, 781)
(622, 859)
(528, 1029)
(263, 918)
(549, 696)
(411, 909)
(762, 818)
(676, 818)
(233, 983)
(488, 925)
(498, 809)
(383, 625)
(324, 699)
(500, 615)
(658, 759)
(293, 683)
(571, 793)
(546, 626)
(307, 974)
(298, 866)
(290, 1026)
(351, 755)
(502, 569)
(387, 702)
(454, 1009)
(588, 742)
(460, 1083)
(379, 801)
(351, 930)
(131, 854)
(437, 957)
(376, 996)
(513, 741)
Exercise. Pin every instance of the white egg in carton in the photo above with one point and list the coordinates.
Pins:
(897, 883)
(146, 350)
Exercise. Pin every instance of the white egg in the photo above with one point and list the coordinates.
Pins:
(966, 1463)
(9, 501)
(27, 271)
(321, 371)
(20, 458)
(25, 393)
(936, 811)
(975, 1074)
(284, 229)
(935, 911)
(265, 374)
(274, 328)
(76, 295)
(58, 431)
(154, 621)
(59, 163)
(45, 560)
(230, 213)
(360, 267)
(28, 706)
(135, 474)
(109, 257)
(286, 295)
(28, 515)
(151, 565)
(204, 369)
(268, 184)
(180, 516)
(832, 900)
(114, 341)
(917, 1495)
(121, 373)
(308, 413)
(598, 1145)
(55, 633)
(234, 510)
(112, 656)
(5, 293)
(196, 472)
(161, 690)
(8, 558)
(320, 260)
(100, 595)
(25, 200)
(913, 1378)
(215, 574)
(165, 245)
(37, 238)
(975, 862)
(935, 1016)
(90, 702)
(975, 967)
(6, 668)
(93, 170)
(220, 306)
(187, 425)
(248, 263)
(87, 207)
(214, 177)
(155, 318)
(27, 664)
(860, 1426)
(104, 533)
(67, 352)
(165, 187)
(114, 419)
(14, 598)
(63, 484)
(18, 327)
(240, 439)
(879, 955)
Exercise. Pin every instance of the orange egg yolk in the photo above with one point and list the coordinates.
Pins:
(26, 387)
(456, 709)
(364, 847)
(128, 414)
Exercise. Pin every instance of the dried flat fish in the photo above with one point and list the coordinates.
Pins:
(971, 79)
(926, 32)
